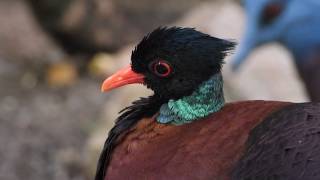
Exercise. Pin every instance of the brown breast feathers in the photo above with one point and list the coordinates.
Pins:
(204, 149)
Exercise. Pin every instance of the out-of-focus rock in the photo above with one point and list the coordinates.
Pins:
(29, 80)
(88, 26)
(43, 131)
(22, 40)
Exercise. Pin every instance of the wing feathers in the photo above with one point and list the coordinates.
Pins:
(144, 107)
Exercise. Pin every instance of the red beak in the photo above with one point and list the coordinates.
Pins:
(122, 77)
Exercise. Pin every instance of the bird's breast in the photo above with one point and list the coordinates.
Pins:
(205, 149)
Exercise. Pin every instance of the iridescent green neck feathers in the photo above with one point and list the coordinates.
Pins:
(207, 99)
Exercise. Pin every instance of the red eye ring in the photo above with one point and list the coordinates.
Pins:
(161, 68)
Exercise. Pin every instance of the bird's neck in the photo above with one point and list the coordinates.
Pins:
(207, 99)
(302, 47)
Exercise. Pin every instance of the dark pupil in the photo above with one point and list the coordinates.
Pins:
(161, 69)
(270, 13)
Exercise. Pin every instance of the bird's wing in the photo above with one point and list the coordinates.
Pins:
(286, 145)
(144, 107)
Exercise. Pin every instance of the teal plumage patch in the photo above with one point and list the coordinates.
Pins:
(207, 99)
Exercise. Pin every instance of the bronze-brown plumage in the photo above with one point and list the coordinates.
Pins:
(186, 131)
(284, 146)
(205, 149)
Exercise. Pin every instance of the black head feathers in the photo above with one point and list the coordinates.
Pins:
(176, 60)
(172, 62)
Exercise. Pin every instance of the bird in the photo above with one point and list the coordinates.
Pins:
(295, 25)
(186, 130)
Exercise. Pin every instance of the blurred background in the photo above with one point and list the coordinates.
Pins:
(55, 54)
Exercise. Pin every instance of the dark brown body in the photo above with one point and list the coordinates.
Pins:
(205, 149)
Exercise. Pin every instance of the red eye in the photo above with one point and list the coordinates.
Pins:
(271, 12)
(162, 68)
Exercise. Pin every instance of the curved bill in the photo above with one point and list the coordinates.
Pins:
(122, 77)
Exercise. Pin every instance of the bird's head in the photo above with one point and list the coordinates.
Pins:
(290, 22)
(173, 62)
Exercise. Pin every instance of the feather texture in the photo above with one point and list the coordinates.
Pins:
(204, 149)
(286, 145)
(144, 107)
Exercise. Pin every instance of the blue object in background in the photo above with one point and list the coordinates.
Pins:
(293, 23)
